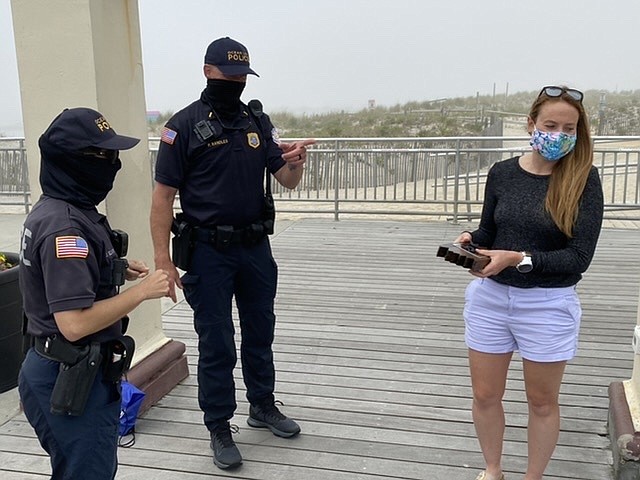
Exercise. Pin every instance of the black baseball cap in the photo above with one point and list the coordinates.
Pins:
(231, 57)
(81, 127)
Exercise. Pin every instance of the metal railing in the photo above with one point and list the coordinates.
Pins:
(14, 173)
(442, 176)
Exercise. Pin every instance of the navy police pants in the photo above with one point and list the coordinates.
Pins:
(80, 447)
(250, 274)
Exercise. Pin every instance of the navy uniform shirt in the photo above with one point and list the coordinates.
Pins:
(220, 179)
(65, 264)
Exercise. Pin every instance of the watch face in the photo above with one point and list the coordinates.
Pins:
(525, 268)
(526, 265)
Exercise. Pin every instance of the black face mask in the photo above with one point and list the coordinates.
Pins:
(224, 96)
(80, 179)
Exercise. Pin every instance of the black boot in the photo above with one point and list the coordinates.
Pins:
(225, 453)
(268, 416)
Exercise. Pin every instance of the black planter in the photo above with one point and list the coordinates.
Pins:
(10, 325)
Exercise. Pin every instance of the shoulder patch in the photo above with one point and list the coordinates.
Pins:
(275, 136)
(168, 136)
(69, 246)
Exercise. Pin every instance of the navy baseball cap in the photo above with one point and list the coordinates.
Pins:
(231, 57)
(81, 127)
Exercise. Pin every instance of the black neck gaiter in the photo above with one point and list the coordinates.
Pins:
(81, 180)
(224, 97)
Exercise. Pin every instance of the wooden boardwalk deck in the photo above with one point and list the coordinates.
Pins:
(371, 361)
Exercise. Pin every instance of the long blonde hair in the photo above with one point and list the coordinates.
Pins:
(570, 173)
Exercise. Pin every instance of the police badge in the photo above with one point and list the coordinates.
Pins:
(253, 140)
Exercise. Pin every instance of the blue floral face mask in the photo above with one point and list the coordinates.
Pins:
(552, 145)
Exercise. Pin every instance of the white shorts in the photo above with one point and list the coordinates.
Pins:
(542, 323)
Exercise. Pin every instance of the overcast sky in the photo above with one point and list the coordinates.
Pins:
(316, 56)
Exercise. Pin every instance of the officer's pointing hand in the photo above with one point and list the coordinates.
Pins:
(296, 153)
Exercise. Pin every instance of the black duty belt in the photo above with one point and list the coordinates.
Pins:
(60, 350)
(80, 365)
(209, 235)
(225, 235)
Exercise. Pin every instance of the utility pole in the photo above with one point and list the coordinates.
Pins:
(601, 116)
(493, 100)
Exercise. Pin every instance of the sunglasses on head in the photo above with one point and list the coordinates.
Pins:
(554, 92)
(101, 153)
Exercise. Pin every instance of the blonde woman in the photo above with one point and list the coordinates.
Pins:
(540, 223)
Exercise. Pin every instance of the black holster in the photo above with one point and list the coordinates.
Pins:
(118, 355)
(268, 214)
(73, 385)
(182, 243)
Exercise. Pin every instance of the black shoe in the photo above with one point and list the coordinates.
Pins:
(225, 453)
(268, 416)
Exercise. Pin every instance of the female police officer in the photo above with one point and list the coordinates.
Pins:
(70, 272)
(215, 153)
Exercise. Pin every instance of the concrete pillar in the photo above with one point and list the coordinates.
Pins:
(632, 386)
(88, 53)
(624, 418)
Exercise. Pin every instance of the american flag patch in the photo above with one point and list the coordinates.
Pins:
(71, 247)
(168, 135)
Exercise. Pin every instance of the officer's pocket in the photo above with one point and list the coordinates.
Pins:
(189, 279)
(189, 284)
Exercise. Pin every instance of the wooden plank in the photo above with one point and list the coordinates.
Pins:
(371, 361)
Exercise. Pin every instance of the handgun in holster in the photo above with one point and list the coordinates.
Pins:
(75, 376)
(182, 242)
(268, 214)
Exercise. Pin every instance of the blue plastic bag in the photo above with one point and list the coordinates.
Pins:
(132, 398)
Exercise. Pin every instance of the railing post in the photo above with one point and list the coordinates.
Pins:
(456, 185)
(26, 187)
(336, 178)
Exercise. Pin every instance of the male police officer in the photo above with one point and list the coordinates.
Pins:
(70, 272)
(215, 152)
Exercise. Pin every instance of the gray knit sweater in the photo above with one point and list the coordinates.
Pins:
(514, 218)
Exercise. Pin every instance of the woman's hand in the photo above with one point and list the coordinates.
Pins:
(464, 237)
(500, 259)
